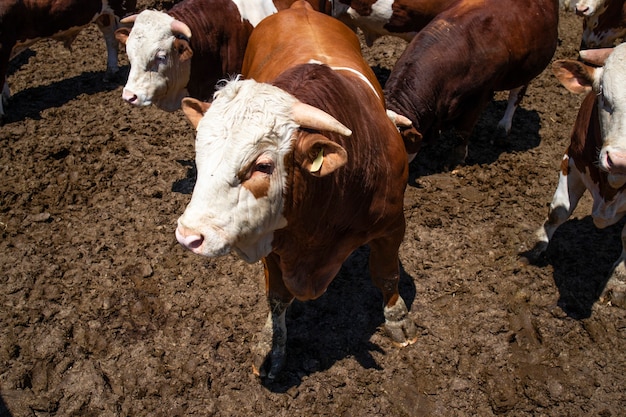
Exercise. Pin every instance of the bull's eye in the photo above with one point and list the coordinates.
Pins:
(264, 167)
(159, 59)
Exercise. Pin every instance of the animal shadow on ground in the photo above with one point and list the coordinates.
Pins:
(4, 411)
(342, 323)
(29, 103)
(582, 257)
(485, 146)
(338, 324)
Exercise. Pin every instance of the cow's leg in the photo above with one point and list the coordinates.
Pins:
(615, 290)
(464, 127)
(385, 271)
(107, 23)
(566, 197)
(515, 98)
(269, 352)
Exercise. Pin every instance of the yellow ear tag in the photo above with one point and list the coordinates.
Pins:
(317, 164)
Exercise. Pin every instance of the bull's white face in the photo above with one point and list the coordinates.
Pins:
(241, 144)
(157, 74)
(590, 8)
(610, 84)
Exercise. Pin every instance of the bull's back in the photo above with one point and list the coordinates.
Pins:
(299, 35)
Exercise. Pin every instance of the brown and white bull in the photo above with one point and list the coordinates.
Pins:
(595, 159)
(300, 171)
(23, 23)
(187, 50)
(450, 70)
(400, 18)
(604, 22)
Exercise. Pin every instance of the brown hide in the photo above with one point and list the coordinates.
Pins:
(218, 41)
(331, 216)
(603, 29)
(585, 141)
(407, 15)
(29, 20)
(319, 38)
(450, 69)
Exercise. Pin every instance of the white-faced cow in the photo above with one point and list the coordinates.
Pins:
(450, 70)
(23, 23)
(596, 157)
(300, 171)
(604, 22)
(187, 50)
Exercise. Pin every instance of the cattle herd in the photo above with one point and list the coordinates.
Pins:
(303, 151)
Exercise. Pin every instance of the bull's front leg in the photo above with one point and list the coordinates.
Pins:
(615, 289)
(107, 23)
(269, 353)
(566, 197)
(385, 270)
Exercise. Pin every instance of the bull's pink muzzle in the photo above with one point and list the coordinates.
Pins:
(189, 239)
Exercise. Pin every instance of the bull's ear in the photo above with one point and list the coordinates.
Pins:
(319, 155)
(194, 109)
(412, 139)
(183, 48)
(574, 75)
(122, 34)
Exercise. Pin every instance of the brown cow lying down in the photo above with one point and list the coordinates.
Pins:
(22, 23)
(300, 172)
(596, 157)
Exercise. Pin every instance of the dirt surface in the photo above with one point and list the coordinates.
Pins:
(103, 313)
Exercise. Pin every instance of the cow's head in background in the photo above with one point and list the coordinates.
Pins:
(589, 8)
(160, 59)
(609, 83)
(248, 142)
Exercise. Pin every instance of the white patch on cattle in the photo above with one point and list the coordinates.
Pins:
(246, 120)
(156, 75)
(358, 74)
(255, 10)
(373, 26)
(610, 84)
(589, 8)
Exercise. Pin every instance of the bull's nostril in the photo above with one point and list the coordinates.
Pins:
(195, 243)
(192, 241)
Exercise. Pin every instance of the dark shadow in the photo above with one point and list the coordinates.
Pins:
(185, 185)
(19, 61)
(29, 103)
(582, 257)
(338, 325)
(485, 147)
(4, 411)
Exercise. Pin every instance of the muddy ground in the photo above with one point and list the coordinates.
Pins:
(103, 313)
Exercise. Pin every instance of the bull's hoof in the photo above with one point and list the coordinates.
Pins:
(110, 75)
(500, 137)
(267, 360)
(268, 366)
(402, 332)
(534, 256)
(399, 325)
(614, 292)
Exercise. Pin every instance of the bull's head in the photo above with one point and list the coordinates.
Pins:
(248, 141)
(608, 81)
(160, 59)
